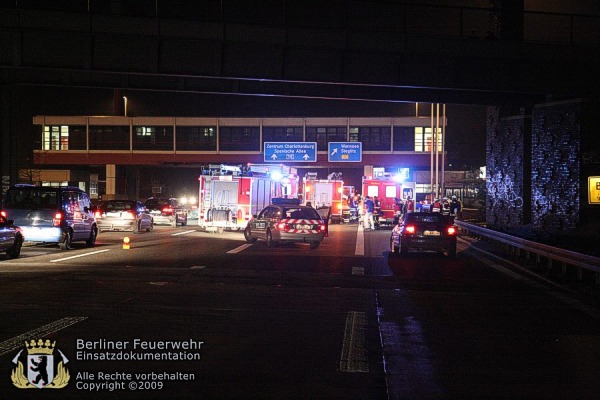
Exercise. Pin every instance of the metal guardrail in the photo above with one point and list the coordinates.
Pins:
(566, 257)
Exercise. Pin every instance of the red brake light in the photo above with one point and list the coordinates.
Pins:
(281, 226)
(57, 219)
(167, 210)
(98, 214)
(323, 227)
(3, 213)
(451, 230)
(409, 229)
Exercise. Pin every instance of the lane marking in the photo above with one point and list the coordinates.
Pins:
(182, 233)
(80, 255)
(354, 350)
(198, 267)
(240, 248)
(360, 241)
(16, 342)
(158, 283)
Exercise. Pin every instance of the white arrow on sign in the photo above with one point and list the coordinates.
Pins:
(334, 151)
(274, 157)
(305, 156)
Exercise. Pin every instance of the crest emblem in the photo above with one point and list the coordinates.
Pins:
(42, 373)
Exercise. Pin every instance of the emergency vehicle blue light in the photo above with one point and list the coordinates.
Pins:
(285, 201)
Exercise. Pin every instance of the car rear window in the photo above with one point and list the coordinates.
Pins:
(430, 218)
(118, 206)
(31, 199)
(301, 213)
(157, 203)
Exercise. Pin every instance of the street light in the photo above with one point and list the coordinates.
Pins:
(125, 100)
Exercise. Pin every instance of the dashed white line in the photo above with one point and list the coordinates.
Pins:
(360, 242)
(354, 350)
(182, 233)
(16, 342)
(240, 248)
(79, 255)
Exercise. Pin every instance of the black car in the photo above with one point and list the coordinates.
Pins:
(424, 231)
(11, 238)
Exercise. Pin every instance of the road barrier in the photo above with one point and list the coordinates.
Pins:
(523, 248)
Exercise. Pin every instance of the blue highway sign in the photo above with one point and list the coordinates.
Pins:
(344, 152)
(290, 151)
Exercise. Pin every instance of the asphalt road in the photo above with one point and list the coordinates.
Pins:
(188, 314)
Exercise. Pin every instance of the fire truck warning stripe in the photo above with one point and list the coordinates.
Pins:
(300, 221)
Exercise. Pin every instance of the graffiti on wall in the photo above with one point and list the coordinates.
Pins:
(501, 190)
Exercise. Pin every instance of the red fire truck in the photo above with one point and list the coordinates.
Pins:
(322, 193)
(387, 191)
(229, 195)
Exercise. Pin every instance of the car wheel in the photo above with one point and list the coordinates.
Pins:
(248, 236)
(150, 227)
(314, 245)
(184, 223)
(269, 239)
(15, 250)
(65, 244)
(92, 240)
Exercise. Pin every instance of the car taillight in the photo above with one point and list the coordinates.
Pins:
(128, 215)
(451, 230)
(3, 213)
(57, 219)
(409, 229)
(98, 214)
(323, 227)
(167, 210)
(281, 226)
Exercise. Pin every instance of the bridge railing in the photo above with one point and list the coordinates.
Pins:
(554, 257)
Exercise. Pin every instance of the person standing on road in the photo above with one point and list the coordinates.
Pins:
(455, 207)
(368, 218)
(409, 206)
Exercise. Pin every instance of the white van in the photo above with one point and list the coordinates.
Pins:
(51, 214)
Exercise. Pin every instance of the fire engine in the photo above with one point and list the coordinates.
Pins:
(324, 193)
(387, 190)
(230, 195)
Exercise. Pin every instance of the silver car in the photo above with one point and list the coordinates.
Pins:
(11, 238)
(123, 215)
(287, 221)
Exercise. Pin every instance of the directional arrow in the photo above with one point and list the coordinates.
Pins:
(334, 151)
(274, 157)
(306, 156)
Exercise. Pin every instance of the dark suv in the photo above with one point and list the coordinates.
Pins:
(51, 214)
(166, 211)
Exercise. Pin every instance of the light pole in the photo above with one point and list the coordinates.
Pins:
(125, 100)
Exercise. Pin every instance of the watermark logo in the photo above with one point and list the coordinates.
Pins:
(42, 370)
